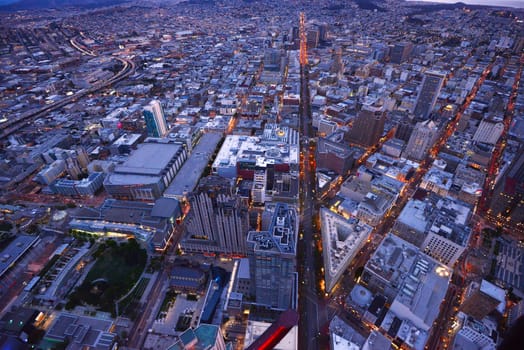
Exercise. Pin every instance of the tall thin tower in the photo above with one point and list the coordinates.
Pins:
(303, 39)
(155, 119)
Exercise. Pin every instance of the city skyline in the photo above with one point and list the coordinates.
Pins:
(251, 175)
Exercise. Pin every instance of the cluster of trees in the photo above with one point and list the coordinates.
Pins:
(117, 269)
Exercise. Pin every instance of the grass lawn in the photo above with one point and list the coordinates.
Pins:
(116, 270)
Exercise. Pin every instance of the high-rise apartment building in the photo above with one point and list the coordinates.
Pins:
(155, 119)
(272, 258)
(367, 128)
(422, 138)
(428, 94)
(218, 219)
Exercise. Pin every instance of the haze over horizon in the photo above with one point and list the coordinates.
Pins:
(494, 3)
(502, 3)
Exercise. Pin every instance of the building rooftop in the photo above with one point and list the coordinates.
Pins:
(255, 329)
(420, 281)
(129, 217)
(361, 296)
(149, 159)
(201, 338)
(256, 150)
(15, 250)
(439, 178)
(282, 233)
(393, 260)
(187, 177)
(166, 208)
(445, 216)
(341, 240)
(326, 146)
(494, 292)
(243, 269)
(344, 336)
(415, 214)
(404, 330)
(377, 341)
(82, 332)
(127, 140)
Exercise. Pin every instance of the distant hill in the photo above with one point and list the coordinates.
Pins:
(369, 5)
(362, 4)
(13, 5)
(425, 8)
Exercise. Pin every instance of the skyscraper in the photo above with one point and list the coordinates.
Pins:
(367, 128)
(507, 204)
(155, 119)
(218, 219)
(272, 258)
(400, 52)
(428, 94)
(422, 138)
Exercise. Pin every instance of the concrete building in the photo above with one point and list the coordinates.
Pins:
(334, 156)
(272, 185)
(85, 187)
(344, 337)
(51, 172)
(489, 130)
(81, 332)
(397, 169)
(374, 206)
(125, 144)
(469, 182)
(218, 219)
(400, 52)
(341, 241)
(507, 204)
(241, 155)
(186, 278)
(415, 283)
(403, 331)
(421, 140)
(147, 222)
(355, 188)
(242, 277)
(483, 298)
(474, 335)
(147, 172)
(367, 128)
(272, 259)
(438, 226)
(189, 174)
(203, 337)
(393, 147)
(255, 329)
(326, 127)
(437, 181)
(428, 94)
(155, 119)
(258, 191)
(15, 250)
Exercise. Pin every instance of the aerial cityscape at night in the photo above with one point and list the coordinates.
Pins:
(256, 174)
